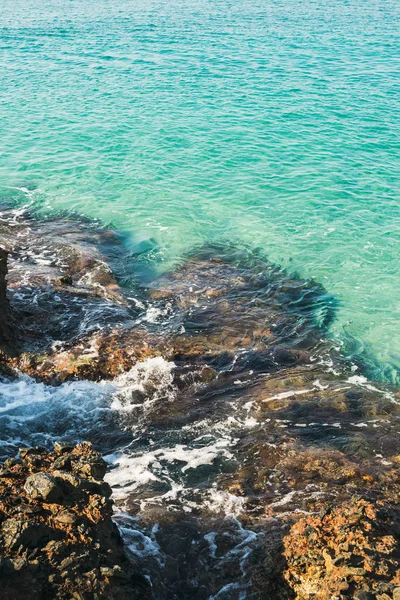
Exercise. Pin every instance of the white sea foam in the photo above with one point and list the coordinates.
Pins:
(362, 381)
(151, 380)
(289, 394)
(219, 501)
(35, 413)
(155, 314)
(284, 500)
(210, 538)
(226, 592)
(131, 471)
(142, 545)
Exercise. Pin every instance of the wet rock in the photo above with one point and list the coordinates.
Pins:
(225, 304)
(72, 255)
(95, 357)
(8, 341)
(42, 486)
(244, 338)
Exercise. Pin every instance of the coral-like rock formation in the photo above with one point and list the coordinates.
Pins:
(57, 539)
(348, 551)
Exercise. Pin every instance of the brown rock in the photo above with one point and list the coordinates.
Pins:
(18, 533)
(63, 446)
(321, 563)
(65, 517)
(49, 551)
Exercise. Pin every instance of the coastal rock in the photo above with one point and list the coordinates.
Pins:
(224, 302)
(42, 486)
(211, 320)
(88, 464)
(59, 281)
(55, 543)
(351, 550)
(268, 465)
(63, 446)
(94, 357)
(8, 342)
(17, 533)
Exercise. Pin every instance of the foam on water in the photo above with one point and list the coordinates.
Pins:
(33, 413)
(143, 385)
(272, 124)
(168, 475)
(171, 470)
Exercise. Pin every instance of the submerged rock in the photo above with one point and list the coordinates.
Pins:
(216, 312)
(57, 539)
(59, 283)
(267, 467)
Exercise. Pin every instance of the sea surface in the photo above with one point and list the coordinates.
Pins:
(268, 123)
(271, 126)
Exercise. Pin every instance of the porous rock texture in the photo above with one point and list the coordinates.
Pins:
(57, 538)
(347, 551)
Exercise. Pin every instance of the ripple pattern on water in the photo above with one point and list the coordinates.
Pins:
(274, 124)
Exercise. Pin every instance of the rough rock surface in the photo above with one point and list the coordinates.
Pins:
(347, 551)
(59, 283)
(57, 539)
(208, 303)
(7, 334)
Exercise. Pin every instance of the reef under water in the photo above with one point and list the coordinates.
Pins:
(248, 459)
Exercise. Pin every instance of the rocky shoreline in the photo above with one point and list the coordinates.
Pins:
(313, 466)
(57, 537)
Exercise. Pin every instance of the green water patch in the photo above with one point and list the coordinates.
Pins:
(266, 124)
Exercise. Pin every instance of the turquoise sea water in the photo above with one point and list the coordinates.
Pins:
(270, 123)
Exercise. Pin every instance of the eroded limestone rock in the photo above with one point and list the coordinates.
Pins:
(348, 551)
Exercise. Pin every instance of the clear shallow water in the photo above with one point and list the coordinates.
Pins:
(271, 124)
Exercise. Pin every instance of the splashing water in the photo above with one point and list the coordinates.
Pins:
(151, 465)
(268, 125)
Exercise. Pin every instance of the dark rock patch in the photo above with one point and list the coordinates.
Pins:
(57, 538)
